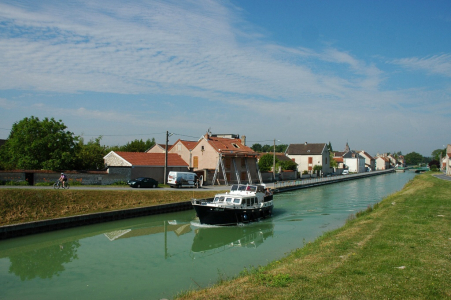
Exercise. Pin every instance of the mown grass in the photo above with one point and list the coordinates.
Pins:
(26, 205)
(397, 249)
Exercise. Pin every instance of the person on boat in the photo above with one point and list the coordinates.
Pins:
(268, 192)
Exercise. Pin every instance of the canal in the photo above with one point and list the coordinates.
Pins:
(156, 257)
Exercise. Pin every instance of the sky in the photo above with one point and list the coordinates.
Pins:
(374, 74)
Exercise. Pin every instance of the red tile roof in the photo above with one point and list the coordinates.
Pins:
(188, 144)
(226, 145)
(151, 159)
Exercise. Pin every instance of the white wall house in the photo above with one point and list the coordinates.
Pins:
(308, 155)
(355, 164)
(448, 160)
(370, 162)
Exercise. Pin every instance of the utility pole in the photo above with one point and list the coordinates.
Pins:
(165, 175)
(274, 162)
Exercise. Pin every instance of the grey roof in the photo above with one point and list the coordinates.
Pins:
(306, 149)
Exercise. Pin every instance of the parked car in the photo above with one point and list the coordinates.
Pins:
(345, 172)
(143, 182)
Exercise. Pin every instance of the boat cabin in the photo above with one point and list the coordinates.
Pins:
(235, 200)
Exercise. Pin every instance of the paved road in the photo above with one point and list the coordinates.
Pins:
(116, 188)
(443, 176)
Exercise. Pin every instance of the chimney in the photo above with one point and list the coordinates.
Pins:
(305, 143)
(243, 140)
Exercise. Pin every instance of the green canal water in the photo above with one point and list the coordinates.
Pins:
(156, 257)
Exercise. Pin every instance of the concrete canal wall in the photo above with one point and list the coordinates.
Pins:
(10, 231)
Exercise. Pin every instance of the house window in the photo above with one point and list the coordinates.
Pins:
(310, 160)
(243, 176)
(196, 162)
(179, 147)
(243, 162)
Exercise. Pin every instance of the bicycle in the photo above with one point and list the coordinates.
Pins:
(58, 185)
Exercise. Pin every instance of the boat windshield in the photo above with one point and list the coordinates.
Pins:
(234, 188)
(219, 199)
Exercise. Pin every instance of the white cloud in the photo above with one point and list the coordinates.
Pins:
(437, 64)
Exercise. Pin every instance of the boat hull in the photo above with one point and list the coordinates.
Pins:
(211, 215)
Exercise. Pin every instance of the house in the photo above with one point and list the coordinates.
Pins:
(184, 149)
(158, 148)
(141, 164)
(355, 163)
(382, 163)
(448, 160)
(225, 160)
(370, 162)
(308, 155)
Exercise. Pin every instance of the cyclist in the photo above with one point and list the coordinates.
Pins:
(63, 179)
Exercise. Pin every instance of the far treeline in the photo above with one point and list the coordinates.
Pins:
(35, 144)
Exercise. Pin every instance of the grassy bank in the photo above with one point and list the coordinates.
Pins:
(26, 205)
(398, 249)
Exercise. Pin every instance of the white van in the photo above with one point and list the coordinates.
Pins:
(182, 179)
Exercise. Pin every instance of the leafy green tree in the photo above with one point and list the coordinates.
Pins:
(36, 144)
(329, 147)
(266, 162)
(413, 158)
(267, 148)
(281, 148)
(257, 147)
(436, 153)
(288, 165)
(332, 162)
(90, 156)
(135, 146)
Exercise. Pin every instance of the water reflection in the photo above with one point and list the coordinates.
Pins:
(44, 262)
(209, 241)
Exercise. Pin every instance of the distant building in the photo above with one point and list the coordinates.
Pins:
(308, 155)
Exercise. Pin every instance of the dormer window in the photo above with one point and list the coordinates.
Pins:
(235, 145)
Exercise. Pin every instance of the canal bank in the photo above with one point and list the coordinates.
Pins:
(26, 228)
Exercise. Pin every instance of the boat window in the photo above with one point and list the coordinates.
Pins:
(243, 202)
(221, 199)
(234, 187)
(216, 199)
(242, 187)
(229, 200)
(251, 188)
(248, 201)
(236, 200)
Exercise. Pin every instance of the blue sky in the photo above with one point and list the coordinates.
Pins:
(375, 74)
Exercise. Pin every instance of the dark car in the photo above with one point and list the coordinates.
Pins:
(143, 182)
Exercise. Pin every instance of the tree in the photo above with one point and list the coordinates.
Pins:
(434, 163)
(90, 156)
(413, 158)
(329, 147)
(257, 147)
(288, 165)
(266, 162)
(436, 153)
(34, 144)
(135, 146)
(281, 148)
